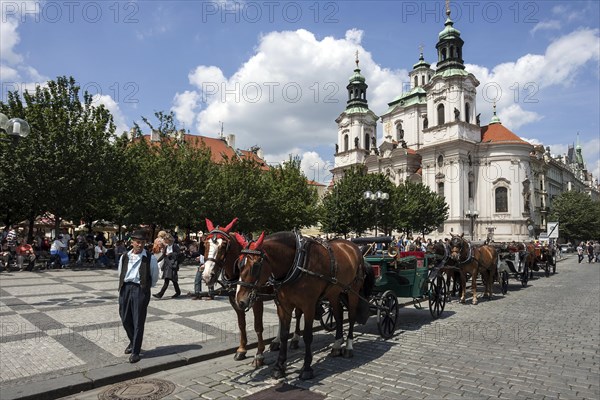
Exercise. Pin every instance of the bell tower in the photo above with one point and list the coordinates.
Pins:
(357, 125)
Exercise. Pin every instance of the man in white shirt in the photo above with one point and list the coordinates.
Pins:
(138, 272)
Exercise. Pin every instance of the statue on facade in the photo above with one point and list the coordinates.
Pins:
(425, 123)
(373, 142)
(337, 148)
(356, 142)
(526, 195)
(456, 114)
(477, 120)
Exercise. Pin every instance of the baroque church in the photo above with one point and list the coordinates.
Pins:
(432, 134)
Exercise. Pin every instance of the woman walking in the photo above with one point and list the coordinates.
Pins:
(167, 254)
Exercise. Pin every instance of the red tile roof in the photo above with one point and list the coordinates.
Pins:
(496, 133)
(219, 149)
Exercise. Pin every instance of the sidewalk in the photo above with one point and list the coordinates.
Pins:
(61, 332)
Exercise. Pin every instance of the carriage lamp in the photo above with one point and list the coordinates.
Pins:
(14, 128)
(377, 197)
(472, 215)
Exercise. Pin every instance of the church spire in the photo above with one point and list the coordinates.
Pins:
(449, 45)
(495, 119)
(357, 88)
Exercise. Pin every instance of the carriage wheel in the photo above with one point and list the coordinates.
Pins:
(387, 314)
(524, 276)
(327, 318)
(504, 282)
(437, 296)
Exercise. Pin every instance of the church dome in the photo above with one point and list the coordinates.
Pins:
(449, 32)
(357, 76)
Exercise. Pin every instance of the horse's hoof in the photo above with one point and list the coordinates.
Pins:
(307, 374)
(277, 374)
(274, 346)
(239, 356)
(258, 362)
(348, 353)
(336, 352)
(294, 345)
(474, 302)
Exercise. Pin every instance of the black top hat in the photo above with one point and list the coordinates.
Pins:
(140, 235)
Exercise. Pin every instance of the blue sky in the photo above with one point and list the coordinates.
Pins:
(275, 72)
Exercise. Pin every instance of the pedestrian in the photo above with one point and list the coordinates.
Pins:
(580, 252)
(597, 250)
(25, 253)
(11, 239)
(170, 266)
(138, 272)
(197, 294)
(590, 252)
(120, 249)
(100, 254)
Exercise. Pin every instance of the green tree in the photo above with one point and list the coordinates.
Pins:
(577, 214)
(292, 202)
(418, 209)
(345, 209)
(61, 165)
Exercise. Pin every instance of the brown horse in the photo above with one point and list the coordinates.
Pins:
(302, 271)
(474, 260)
(220, 260)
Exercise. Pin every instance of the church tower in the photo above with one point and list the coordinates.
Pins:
(451, 93)
(357, 126)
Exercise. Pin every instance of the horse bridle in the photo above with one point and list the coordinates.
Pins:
(255, 272)
(219, 262)
(470, 251)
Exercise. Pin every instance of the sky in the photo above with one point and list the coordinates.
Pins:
(274, 73)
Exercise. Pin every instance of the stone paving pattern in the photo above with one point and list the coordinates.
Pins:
(537, 342)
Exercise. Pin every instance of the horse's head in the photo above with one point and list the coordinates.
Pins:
(457, 244)
(216, 247)
(252, 273)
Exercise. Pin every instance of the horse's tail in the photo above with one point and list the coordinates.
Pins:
(369, 283)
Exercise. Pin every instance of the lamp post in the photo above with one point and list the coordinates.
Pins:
(472, 215)
(377, 198)
(14, 128)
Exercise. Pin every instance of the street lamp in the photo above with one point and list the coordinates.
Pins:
(377, 197)
(472, 215)
(15, 128)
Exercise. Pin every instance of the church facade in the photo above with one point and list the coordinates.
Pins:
(432, 134)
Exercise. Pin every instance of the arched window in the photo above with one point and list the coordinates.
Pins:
(467, 112)
(443, 54)
(416, 81)
(346, 142)
(440, 114)
(399, 132)
(422, 79)
(451, 51)
(367, 141)
(441, 190)
(501, 196)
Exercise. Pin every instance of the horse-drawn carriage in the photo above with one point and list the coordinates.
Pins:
(409, 274)
(511, 261)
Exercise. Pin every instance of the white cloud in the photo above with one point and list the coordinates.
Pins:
(315, 168)
(515, 117)
(275, 95)
(520, 82)
(185, 105)
(113, 107)
(9, 38)
(545, 25)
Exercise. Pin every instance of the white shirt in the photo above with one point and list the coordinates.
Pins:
(133, 268)
(98, 250)
(57, 245)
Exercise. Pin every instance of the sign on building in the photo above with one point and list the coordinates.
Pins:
(553, 230)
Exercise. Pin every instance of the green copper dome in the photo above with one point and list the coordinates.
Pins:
(357, 76)
(421, 63)
(449, 31)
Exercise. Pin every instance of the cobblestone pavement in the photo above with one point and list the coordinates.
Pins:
(537, 342)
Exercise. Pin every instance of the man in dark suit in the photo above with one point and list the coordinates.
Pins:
(138, 272)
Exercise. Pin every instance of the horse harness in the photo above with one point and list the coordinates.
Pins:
(299, 266)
